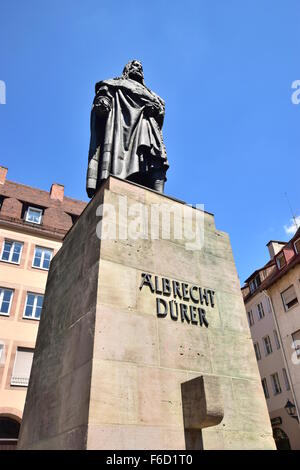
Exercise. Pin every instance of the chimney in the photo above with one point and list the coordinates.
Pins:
(3, 173)
(57, 191)
(274, 247)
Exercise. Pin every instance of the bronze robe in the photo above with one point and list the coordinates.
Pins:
(117, 138)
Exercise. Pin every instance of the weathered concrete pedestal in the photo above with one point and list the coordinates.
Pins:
(126, 327)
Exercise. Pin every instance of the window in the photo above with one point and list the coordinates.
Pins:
(42, 257)
(276, 339)
(1, 353)
(33, 307)
(250, 318)
(289, 298)
(34, 215)
(11, 251)
(5, 301)
(254, 283)
(267, 345)
(260, 311)
(275, 384)
(280, 260)
(296, 341)
(22, 367)
(286, 380)
(257, 351)
(297, 245)
(265, 388)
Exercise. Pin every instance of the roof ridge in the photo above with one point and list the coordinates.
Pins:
(44, 190)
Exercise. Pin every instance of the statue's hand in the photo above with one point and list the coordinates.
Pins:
(102, 105)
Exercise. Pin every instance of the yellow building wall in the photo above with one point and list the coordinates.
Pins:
(288, 323)
(16, 331)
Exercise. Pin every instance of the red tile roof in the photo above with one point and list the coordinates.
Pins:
(58, 216)
(275, 275)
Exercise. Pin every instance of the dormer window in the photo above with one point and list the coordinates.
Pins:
(255, 283)
(297, 246)
(280, 260)
(33, 215)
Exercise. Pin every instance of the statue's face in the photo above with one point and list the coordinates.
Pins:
(136, 71)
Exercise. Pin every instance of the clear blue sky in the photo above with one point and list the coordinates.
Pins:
(224, 68)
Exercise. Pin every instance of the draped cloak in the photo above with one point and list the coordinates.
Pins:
(118, 137)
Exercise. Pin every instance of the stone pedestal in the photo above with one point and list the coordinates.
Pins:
(116, 352)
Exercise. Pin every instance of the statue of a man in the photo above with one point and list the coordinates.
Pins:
(126, 136)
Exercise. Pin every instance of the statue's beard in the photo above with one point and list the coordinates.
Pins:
(136, 75)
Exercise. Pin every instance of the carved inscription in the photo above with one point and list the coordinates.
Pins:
(181, 301)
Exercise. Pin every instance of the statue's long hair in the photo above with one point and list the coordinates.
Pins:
(127, 68)
(125, 75)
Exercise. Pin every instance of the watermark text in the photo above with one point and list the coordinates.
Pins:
(2, 92)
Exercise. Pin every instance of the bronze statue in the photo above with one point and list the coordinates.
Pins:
(126, 137)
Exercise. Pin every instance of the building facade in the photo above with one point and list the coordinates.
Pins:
(271, 296)
(33, 223)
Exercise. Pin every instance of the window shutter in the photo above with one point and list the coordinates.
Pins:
(22, 367)
(289, 295)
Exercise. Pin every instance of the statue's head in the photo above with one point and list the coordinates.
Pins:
(134, 70)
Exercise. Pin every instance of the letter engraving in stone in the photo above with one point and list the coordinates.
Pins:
(202, 317)
(166, 286)
(173, 309)
(192, 290)
(185, 291)
(146, 280)
(161, 302)
(188, 313)
(203, 295)
(157, 289)
(184, 313)
(211, 296)
(176, 289)
(193, 313)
